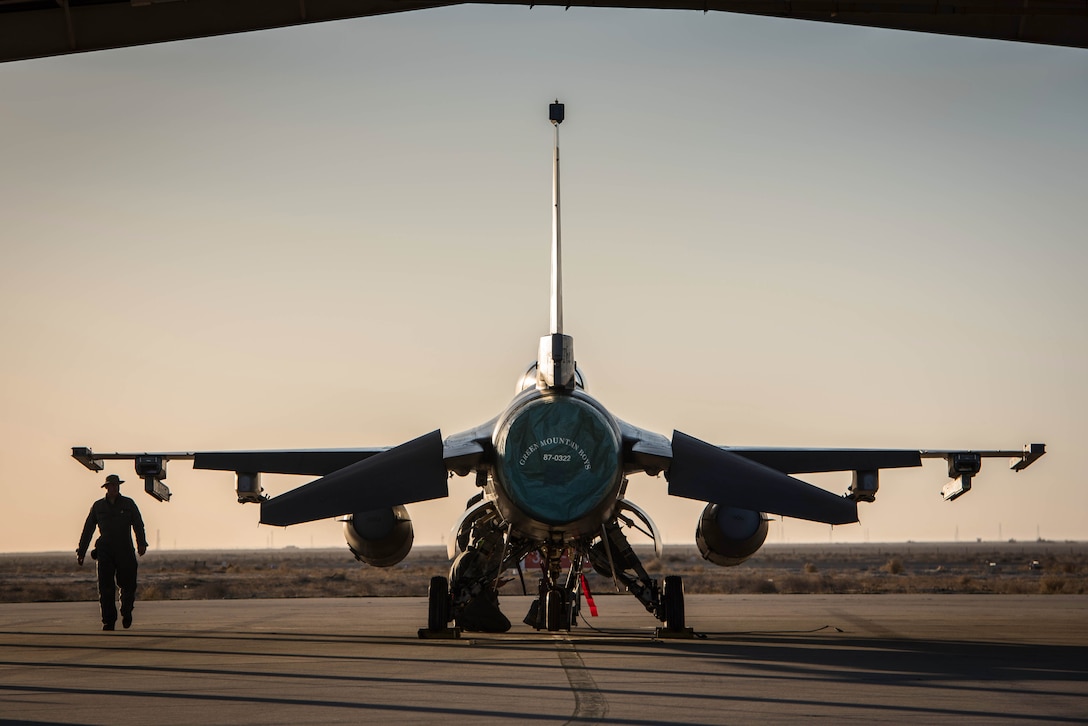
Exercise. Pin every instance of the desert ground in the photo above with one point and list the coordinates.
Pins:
(974, 568)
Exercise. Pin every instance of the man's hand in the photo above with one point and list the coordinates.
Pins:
(141, 549)
(79, 558)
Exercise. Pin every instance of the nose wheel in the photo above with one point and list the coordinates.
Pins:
(557, 607)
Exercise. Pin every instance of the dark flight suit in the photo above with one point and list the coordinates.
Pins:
(116, 556)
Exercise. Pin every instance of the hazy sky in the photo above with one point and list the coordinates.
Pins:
(776, 233)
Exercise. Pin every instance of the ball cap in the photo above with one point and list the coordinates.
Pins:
(113, 479)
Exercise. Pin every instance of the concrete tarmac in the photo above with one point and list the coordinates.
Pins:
(757, 659)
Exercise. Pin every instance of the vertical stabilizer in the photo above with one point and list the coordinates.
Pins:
(555, 362)
(555, 113)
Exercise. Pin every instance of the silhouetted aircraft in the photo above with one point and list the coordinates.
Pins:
(552, 471)
(36, 28)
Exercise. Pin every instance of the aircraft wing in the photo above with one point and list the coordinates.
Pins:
(34, 29)
(809, 461)
(351, 480)
(365, 479)
(758, 478)
(314, 462)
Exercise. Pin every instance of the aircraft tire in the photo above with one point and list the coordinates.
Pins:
(438, 604)
(556, 610)
(672, 597)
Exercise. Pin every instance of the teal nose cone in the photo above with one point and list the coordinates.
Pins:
(558, 459)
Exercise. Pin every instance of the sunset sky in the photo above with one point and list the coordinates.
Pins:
(776, 233)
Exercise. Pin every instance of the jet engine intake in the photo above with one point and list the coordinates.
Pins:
(382, 537)
(727, 536)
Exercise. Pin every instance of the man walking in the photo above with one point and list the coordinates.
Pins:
(114, 515)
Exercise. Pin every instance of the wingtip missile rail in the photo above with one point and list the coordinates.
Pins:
(964, 465)
(149, 467)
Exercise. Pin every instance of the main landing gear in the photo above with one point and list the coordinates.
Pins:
(470, 597)
(671, 611)
(557, 609)
(439, 607)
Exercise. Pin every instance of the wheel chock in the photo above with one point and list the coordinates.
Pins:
(680, 634)
(440, 634)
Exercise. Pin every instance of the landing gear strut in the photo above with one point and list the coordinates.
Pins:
(556, 608)
(613, 557)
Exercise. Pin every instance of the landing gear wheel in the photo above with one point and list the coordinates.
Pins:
(438, 604)
(672, 604)
(557, 610)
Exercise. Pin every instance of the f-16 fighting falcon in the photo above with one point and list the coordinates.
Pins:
(552, 471)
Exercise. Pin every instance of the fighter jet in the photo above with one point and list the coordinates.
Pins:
(552, 470)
